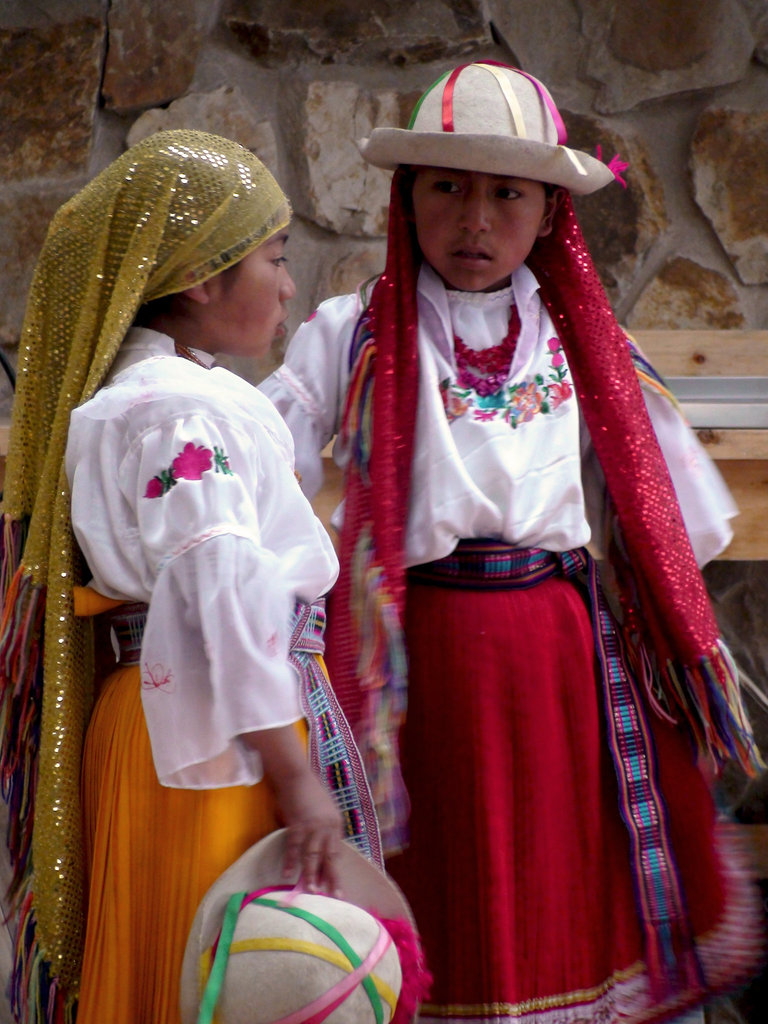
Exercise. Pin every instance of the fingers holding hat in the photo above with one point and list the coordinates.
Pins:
(313, 822)
(313, 848)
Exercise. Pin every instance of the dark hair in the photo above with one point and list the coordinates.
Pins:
(151, 310)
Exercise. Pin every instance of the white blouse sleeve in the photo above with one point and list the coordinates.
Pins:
(705, 501)
(309, 387)
(214, 655)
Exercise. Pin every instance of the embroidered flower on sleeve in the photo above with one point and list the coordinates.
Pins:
(189, 464)
(155, 488)
(157, 677)
(192, 462)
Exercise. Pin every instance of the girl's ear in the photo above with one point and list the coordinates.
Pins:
(199, 292)
(553, 200)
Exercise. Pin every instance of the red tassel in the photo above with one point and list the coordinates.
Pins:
(417, 979)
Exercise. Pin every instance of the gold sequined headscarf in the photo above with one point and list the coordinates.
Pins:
(172, 211)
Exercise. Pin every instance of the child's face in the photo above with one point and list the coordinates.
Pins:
(476, 229)
(244, 307)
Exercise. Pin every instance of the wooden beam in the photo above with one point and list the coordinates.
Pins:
(695, 353)
(748, 482)
(728, 444)
(753, 842)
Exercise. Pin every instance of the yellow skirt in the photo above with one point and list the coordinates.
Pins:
(152, 852)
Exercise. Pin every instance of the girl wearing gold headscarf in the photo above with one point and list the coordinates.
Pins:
(166, 486)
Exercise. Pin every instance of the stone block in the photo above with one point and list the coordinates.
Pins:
(331, 31)
(50, 69)
(334, 187)
(153, 50)
(685, 294)
(225, 111)
(527, 27)
(24, 220)
(729, 157)
(619, 224)
(640, 52)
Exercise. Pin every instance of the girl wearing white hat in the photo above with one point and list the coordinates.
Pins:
(538, 789)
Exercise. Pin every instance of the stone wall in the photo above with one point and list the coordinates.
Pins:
(677, 87)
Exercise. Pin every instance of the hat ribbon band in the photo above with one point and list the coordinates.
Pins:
(512, 102)
(574, 160)
(320, 1008)
(324, 1005)
(330, 956)
(494, 67)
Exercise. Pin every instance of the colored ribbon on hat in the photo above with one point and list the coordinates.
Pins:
(496, 68)
(318, 1009)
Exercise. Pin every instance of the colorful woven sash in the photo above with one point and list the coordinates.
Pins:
(669, 948)
(333, 752)
(127, 623)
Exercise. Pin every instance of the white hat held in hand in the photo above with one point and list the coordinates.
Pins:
(261, 952)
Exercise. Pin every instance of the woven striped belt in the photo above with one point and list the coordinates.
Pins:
(487, 565)
(127, 622)
(332, 749)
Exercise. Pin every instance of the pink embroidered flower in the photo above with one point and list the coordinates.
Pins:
(157, 677)
(154, 488)
(555, 348)
(559, 393)
(192, 462)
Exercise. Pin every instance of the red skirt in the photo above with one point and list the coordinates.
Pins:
(518, 868)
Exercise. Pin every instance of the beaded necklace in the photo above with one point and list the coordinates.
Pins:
(493, 363)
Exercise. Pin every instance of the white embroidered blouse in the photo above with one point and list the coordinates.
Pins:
(184, 496)
(517, 466)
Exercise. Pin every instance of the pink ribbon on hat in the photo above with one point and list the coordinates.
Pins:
(562, 135)
(324, 1005)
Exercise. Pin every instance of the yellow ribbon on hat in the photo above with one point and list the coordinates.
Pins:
(517, 113)
(281, 944)
(512, 101)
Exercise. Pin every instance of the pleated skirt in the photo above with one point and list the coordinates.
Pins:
(152, 853)
(518, 869)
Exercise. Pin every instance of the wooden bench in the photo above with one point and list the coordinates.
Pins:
(741, 453)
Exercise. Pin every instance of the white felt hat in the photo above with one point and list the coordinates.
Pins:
(292, 955)
(492, 118)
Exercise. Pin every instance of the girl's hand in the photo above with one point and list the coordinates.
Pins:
(314, 832)
(308, 810)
